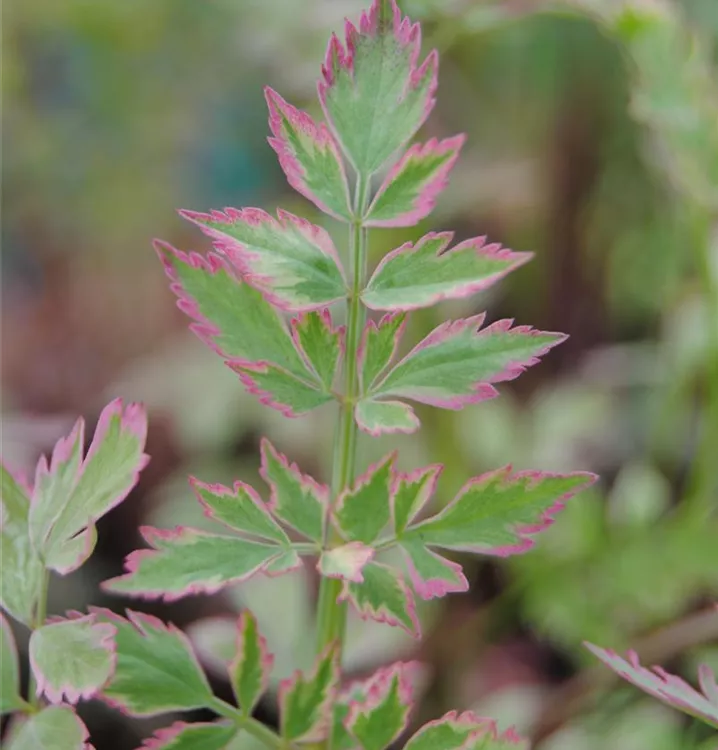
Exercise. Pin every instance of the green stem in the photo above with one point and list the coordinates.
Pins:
(331, 615)
(38, 622)
(263, 733)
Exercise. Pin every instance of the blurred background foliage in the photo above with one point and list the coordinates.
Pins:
(592, 141)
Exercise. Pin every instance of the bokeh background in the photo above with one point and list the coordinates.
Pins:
(592, 141)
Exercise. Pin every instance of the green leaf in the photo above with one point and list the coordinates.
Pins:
(383, 716)
(345, 562)
(409, 191)
(322, 345)
(22, 570)
(70, 494)
(456, 363)
(188, 561)
(156, 670)
(309, 157)
(465, 731)
(72, 659)
(305, 702)
(235, 321)
(182, 736)
(431, 575)
(384, 417)
(362, 512)
(498, 513)
(296, 499)
(424, 273)
(53, 728)
(292, 262)
(241, 509)
(251, 667)
(410, 494)
(10, 699)
(373, 93)
(378, 347)
(383, 596)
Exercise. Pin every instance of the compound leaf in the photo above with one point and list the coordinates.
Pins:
(382, 596)
(305, 702)
(71, 494)
(409, 191)
(373, 93)
(53, 728)
(156, 671)
(498, 513)
(72, 659)
(292, 262)
(665, 686)
(424, 273)
(296, 499)
(188, 561)
(235, 321)
(456, 363)
(378, 720)
(251, 667)
(309, 156)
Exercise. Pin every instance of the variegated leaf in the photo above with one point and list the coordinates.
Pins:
(305, 701)
(667, 687)
(465, 731)
(385, 417)
(456, 364)
(321, 344)
(182, 736)
(309, 157)
(156, 671)
(71, 494)
(72, 659)
(53, 728)
(188, 561)
(379, 719)
(250, 669)
(22, 569)
(374, 92)
(345, 562)
(409, 191)
(378, 346)
(235, 321)
(362, 511)
(383, 596)
(292, 262)
(424, 273)
(296, 499)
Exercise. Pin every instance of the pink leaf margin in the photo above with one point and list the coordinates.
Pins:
(65, 691)
(155, 537)
(413, 426)
(318, 133)
(266, 658)
(433, 472)
(266, 398)
(524, 532)
(667, 687)
(318, 732)
(464, 289)
(241, 257)
(433, 588)
(163, 738)
(373, 328)
(425, 201)
(479, 728)
(483, 389)
(406, 33)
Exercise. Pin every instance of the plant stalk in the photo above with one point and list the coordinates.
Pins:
(38, 621)
(331, 615)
